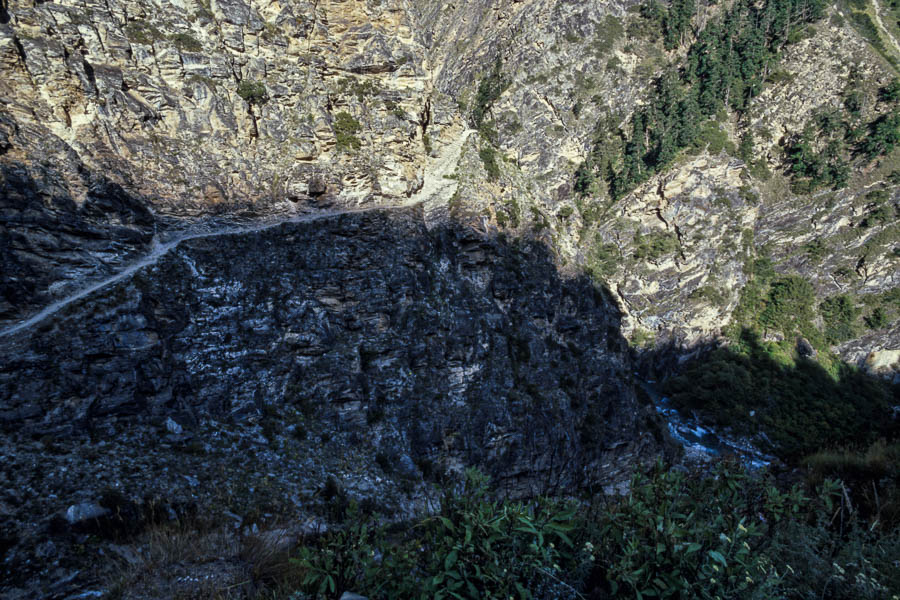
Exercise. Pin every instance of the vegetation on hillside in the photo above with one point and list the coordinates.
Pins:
(724, 69)
(253, 92)
(490, 88)
(757, 387)
(718, 533)
(777, 376)
(345, 130)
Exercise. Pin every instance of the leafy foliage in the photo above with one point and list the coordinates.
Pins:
(722, 533)
(891, 92)
(253, 92)
(840, 314)
(341, 560)
(789, 304)
(654, 245)
(345, 130)
(488, 156)
(824, 167)
(474, 547)
(837, 552)
(603, 259)
(489, 91)
(141, 32)
(799, 405)
(884, 135)
(677, 21)
(186, 42)
(673, 537)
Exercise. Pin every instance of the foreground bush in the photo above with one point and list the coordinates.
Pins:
(722, 534)
(473, 548)
(681, 536)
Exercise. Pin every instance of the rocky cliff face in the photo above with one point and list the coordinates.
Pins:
(361, 349)
(231, 105)
(382, 349)
(252, 108)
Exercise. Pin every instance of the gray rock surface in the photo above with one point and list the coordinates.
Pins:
(364, 356)
(361, 356)
(85, 511)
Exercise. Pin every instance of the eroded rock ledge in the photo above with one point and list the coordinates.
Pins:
(248, 370)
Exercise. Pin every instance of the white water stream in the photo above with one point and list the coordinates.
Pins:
(701, 442)
(436, 186)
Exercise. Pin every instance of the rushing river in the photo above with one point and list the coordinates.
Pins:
(700, 441)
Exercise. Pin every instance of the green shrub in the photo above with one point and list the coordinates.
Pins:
(720, 532)
(817, 168)
(585, 180)
(345, 130)
(881, 210)
(253, 92)
(745, 149)
(709, 294)
(341, 560)
(186, 42)
(760, 170)
(609, 31)
(834, 554)
(473, 548)
(488, 156)
(789, 305)
(139, 32)
(816, 250)
(890, 92)
(878, 319)
(603, 259)
(713, 139)
(363, 90)
(840, 314)
(673, 537)
(654, 245)
(489, 91)
(883, 135)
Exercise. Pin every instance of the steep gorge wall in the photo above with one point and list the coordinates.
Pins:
(358, 95)
(379, 350)
(263, 373)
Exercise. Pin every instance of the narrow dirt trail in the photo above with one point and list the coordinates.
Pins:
(887, 32)
(435, 190)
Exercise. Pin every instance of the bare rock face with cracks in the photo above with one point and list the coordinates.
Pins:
(259, 255)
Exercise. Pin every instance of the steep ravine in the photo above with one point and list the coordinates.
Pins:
(256, 262)
(244, 371)
(249, 109)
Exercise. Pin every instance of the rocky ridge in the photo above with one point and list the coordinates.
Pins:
(250, 108)
(372, 352)
(247, 371)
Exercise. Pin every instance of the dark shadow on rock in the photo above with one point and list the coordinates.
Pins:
(290, 353)
(49, 245)
(800, 407)
(469, 346)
